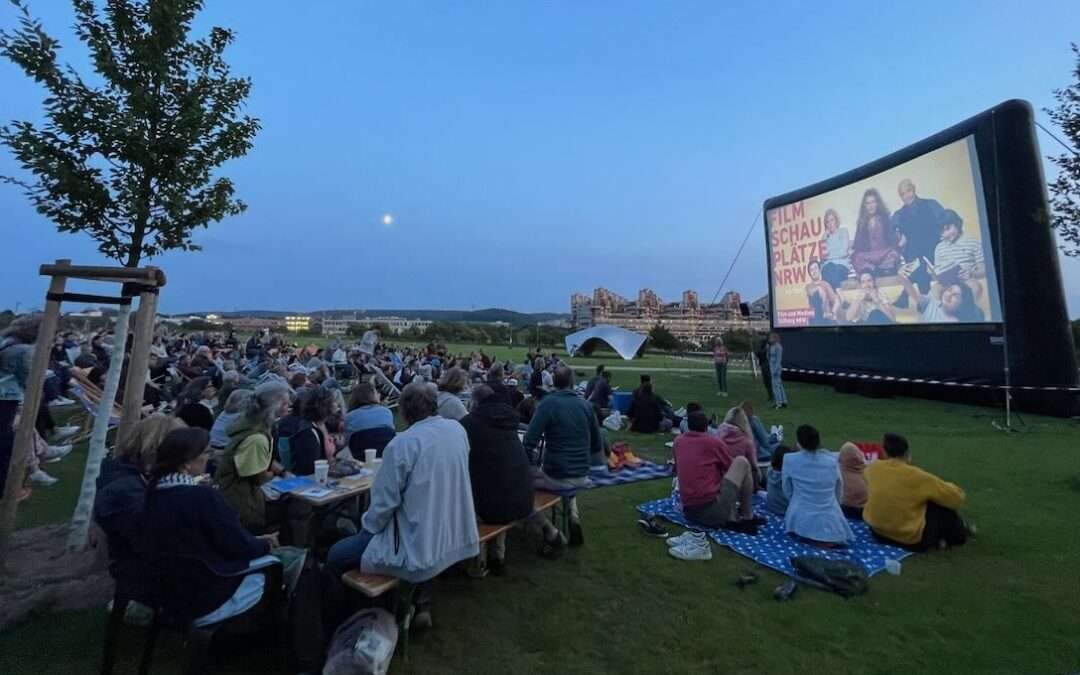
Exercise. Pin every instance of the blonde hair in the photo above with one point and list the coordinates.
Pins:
(737, 417)
(139, 446)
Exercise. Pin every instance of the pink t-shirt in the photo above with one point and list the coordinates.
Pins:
(719, 354)
(701, 460)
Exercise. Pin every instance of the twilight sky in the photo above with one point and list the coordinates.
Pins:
(529, 150)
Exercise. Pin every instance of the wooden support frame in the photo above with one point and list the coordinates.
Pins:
(145, 281)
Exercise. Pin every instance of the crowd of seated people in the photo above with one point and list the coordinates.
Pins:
(814, 490)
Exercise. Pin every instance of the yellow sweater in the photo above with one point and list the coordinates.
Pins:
(896, 505)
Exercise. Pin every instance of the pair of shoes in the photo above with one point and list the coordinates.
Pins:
(577, 535)
(39, 477)
(55, 453)
(65, 432)
(724, 394)
(690, 546)
(686, 537)
(497, 566)
(552, 549)
(652, 528)
(61, 401)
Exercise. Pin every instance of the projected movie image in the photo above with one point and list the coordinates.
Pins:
(908, 245)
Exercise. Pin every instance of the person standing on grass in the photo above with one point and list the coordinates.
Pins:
(571, 436)
(909, 507)
(16, 352)
(762, 356)
(776, 367)
(720, 360)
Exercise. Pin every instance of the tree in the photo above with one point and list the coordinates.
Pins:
(1065, 189)
(130, 160)
(662, 338)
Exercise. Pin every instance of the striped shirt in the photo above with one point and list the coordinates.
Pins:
(963, 251)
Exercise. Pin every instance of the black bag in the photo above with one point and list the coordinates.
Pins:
(843, 577)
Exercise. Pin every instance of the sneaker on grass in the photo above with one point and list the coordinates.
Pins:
(60, 433)
(57, 452)
(39, 477)
(688, 537)
(693, 550)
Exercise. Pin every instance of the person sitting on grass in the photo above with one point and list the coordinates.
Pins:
(600, 395)
(910, 507)
(498, 469)
(812, 484)
(766, 442)
(776, 502)
(715, 489)
(852, 466)
(451, 384)
(421, 519)
(210, 567)
(736, 434)
(368, 424)
(571, 434)
(647, 412)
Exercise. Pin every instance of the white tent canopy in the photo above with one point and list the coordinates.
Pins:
(625, 342)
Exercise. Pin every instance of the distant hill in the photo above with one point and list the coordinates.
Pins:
(478, 315)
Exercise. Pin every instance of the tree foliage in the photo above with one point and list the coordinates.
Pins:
(130, 160)
(661, 338)
(1065, 189)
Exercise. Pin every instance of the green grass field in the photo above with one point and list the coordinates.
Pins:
(1005, 603)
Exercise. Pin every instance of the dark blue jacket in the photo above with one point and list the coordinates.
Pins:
(196, 543)
(118, 506)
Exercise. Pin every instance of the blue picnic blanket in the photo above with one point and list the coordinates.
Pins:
(774, 548)
(601, 477)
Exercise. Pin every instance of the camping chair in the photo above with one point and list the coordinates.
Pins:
(172, 581)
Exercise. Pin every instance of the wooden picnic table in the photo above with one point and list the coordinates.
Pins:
(345, 488)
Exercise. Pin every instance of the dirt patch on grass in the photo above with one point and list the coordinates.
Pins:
(42, 577)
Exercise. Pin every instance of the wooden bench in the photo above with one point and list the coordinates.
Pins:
(374, 585)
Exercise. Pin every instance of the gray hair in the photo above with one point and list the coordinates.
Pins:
(238, 400)
(418, 401)
(262, 407)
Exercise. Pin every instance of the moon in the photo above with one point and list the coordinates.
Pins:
(387, 219)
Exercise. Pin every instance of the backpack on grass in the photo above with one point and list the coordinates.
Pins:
(842, 577)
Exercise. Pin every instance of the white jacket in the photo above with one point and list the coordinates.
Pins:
(421, 509)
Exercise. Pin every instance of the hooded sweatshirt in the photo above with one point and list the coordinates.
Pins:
(852, 464)
(740, 444)
(498, 466)
(247, 455)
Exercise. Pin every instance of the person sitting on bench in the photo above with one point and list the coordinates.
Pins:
(715, 490)
(498, 469)
(812, 483)
(571, 434)
(909, 507)
(421, 519)
(369, 424)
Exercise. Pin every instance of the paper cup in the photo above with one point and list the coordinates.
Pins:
(369, 456)
(322, 471)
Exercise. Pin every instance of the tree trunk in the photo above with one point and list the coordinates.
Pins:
(80, 521)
